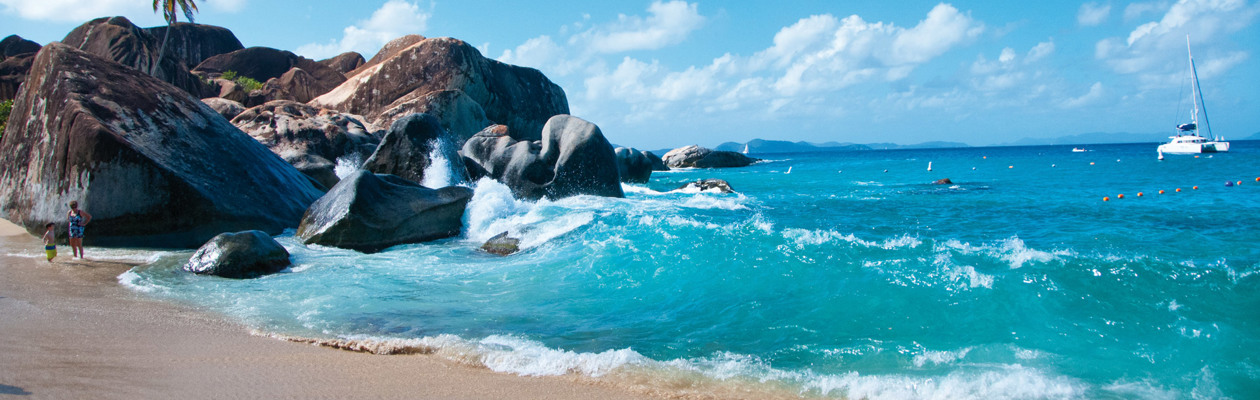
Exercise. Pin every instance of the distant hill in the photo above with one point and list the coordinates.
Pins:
(1093, 138)
(1254, 136)
(762, 146)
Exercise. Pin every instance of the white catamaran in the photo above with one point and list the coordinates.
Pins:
(1188, 140)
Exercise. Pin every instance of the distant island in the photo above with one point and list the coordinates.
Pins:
(763, 146)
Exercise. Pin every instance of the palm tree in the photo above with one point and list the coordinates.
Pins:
(168, 13)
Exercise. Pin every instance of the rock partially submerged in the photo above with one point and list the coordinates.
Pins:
(699, 157)
(633, 166)
(155, 166)
(369, 212)
(945, 181)
(239, 255)
(573, 158)
(502, 245)
(409, 149)
(707, 185)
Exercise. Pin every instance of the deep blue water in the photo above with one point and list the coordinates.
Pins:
(850, 276)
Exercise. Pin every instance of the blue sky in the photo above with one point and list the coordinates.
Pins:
(656, 74)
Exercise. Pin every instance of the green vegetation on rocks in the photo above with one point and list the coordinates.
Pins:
(5, 107)
(250, 84)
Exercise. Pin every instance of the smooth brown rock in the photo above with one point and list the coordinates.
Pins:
(155, 166)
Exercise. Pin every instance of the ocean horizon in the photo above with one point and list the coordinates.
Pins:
(833, 275)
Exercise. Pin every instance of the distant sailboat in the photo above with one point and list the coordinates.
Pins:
(929, 165)
(1188, 140)
(745, 148)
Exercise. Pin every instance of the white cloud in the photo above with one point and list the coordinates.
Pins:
(1040, 51)
(1154, 49)
(394, 19)
(74, 10)
(1093, 14)
(1139, 10)
(669, 24)
(944, 28)
(1095, 93)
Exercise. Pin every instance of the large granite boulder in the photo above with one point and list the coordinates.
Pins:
(118, 40)
(699, 157)
(227, 108)
(191, 44)
(239, 255)
(458, 114)
(344, 62)
(14, 45)
(263, 63)
(288, 128)
(572, 158)
(410, 147)
(297, 85)
(388, 51)
(657, 163)
(155, 166)
(13, 71)
(16, 55)
(319, 169)
(521, 98)
(369, 212)
(633, 166)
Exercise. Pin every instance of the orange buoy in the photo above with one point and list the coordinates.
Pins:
(1195, 188)
(1120, 196)
(1178, 190)
(1091, 163)
(1010, 167)
(1257, 179)
(1105, 198)
(1239, 183)
(1139, 194)
(1161, 191)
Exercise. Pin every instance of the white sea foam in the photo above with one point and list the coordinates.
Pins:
(1008, 382)
(804, 237)
(635, 189)
(440, 173)
(134, 281)
(347, 165)
(939, 357)
(706, 202)
(1012, 250)
(493, 210)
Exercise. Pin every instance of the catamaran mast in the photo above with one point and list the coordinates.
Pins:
(1197, 95)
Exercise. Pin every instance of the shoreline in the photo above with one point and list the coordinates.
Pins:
(70, 330)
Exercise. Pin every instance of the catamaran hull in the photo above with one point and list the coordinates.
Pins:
(1194, 148)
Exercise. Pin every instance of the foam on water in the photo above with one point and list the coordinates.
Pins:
(878, 285)
(347, 165)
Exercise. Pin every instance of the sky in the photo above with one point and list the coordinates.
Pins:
(659, 74)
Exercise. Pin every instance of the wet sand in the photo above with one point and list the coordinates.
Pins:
(69, 330)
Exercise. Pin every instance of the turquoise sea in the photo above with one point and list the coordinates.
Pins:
(840, 275)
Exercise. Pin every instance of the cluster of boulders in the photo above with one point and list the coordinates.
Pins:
(166, 152)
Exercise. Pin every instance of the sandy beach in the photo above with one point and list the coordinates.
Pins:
(69, 330)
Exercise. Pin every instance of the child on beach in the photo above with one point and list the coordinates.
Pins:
(50, 241)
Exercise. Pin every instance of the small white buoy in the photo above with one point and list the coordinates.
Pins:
(1161, 156)
(1052, 165)
(789, 170)
(929, 165)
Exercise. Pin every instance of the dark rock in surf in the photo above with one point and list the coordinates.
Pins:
(318, 168)
(573, 158)
(945, 181)
(239, 255)
(408, 147)
(633, 166)
(707, 185)
(502, 245)
(657, 163)
(155, 166)
(699, 157)
(369, 212)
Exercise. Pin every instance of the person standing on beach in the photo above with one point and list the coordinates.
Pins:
(50, 241)
(78, 219)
